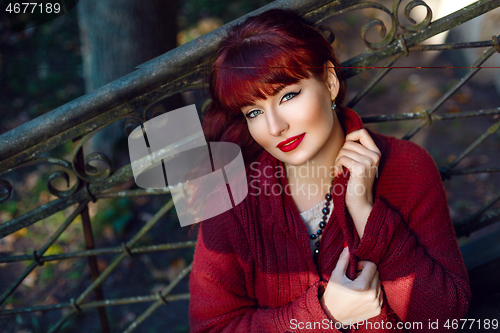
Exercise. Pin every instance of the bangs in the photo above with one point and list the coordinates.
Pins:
(267, 67)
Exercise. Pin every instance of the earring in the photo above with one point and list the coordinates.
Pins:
(333, 105)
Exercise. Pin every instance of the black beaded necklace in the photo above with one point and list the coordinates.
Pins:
(322, 224)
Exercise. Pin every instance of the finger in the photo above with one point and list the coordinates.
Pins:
(375, 283)
(359, 267)
(362, 157)
(341, 267)
(364, 138)
(353, 166)
(381, 296)
(361, 264)
(378, 285)
(368, 273)
(363, 160)
(362, 150)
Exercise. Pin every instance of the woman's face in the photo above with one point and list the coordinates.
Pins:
(297, 123)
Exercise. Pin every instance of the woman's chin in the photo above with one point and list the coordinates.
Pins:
(297, 159)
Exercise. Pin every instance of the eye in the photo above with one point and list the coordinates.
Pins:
(289, 96)
(253, 113)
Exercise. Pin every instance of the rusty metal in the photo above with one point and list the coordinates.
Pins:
(104, 274)
(186, 65)
(134, 97)
(475, 68)
(490, 131)
(451, 46)
(90, 305)
(497, 44)
(89, 245)
(160, 301)
(434, 117)
(101, 251)
(479, 219)
(42, 250)
(374, 81)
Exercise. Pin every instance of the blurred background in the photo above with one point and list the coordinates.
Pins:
(48, 65)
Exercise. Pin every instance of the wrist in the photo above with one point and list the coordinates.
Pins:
(327, 312)
(360, 218)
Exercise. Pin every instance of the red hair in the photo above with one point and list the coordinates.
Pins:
(264, 52)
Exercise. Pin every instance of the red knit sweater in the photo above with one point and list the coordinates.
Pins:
(253, 270)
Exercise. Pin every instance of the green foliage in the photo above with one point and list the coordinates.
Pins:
(9, 206)
(117, 214)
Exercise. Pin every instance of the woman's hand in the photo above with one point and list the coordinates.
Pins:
(348, 301)
(361, 159)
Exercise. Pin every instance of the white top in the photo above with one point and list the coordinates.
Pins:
(312, 217)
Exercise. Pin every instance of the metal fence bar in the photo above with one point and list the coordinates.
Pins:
(86, 193)
(452, 46)
(118, 259)
(491, 130)
(42, 212)
(450, 92)
(472, 171)
(425, 115)
(101, 251)
(151, 81)
(41, 251)
(488, 218)
(374, 81)
(358, 63)
(161, 300)
(94, 304)
(467, 226)
(186, 64)
(156, 80)
(132, 193)
(88, 235)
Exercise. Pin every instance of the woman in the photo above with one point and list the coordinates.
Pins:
(378, 249)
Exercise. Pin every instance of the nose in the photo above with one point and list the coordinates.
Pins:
(276, 123)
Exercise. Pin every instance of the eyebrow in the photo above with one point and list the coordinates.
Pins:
(275, 92)
(280, 88)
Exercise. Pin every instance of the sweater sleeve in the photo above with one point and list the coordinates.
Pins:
(221, 286)
(415, 247)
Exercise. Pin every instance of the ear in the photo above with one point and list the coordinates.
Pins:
(332, 81)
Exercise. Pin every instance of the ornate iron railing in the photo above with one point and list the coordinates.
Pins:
(134, 96)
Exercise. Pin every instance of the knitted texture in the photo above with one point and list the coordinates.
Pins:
(253, 270)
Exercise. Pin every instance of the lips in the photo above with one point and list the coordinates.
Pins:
(290, 143)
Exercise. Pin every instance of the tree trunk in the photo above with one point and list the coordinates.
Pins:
(117, 36)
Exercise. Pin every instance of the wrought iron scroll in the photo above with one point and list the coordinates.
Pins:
(137, 98)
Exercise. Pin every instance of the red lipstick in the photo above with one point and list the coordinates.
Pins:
(290, 143)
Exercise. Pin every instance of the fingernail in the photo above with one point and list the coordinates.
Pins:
(345, 244)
